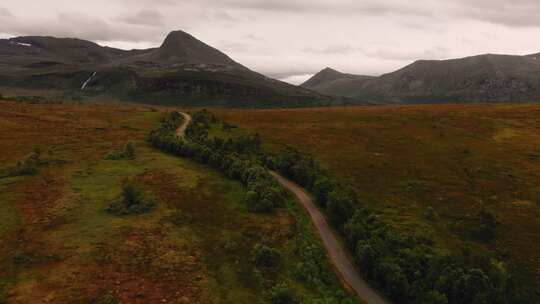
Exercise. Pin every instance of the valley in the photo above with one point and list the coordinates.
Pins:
(173, 173)
(60, 244)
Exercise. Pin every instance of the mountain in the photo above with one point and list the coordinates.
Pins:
(483, 78)
(332, 82)
(182, 71)
(181, 47)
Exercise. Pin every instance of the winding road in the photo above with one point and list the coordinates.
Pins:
(182, 129)
(343, 265)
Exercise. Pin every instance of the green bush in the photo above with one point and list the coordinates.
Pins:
(282, 294)
(129, 152)
(133, 201)
(265, 256)
(486, 227)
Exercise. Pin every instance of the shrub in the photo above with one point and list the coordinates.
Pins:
(28, 166)
(265, 256)
(430, 214)
(282, 294)
(341, 205)
(133, 201)
(129, 152)
(487, 224)
(321, 189)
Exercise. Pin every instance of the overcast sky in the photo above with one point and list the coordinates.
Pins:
(293, 39)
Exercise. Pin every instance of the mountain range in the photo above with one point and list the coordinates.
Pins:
(182, 71)
(186, 71)
(483, 78)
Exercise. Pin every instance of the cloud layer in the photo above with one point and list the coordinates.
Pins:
(292, 39)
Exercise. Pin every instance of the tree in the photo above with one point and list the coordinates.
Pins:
(282, 294)
(341, 206)
(321, 189)
(434, 297)
(265, 256)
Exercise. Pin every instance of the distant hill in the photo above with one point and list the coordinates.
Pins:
(182, 71)
(332, 82)
(483, 78)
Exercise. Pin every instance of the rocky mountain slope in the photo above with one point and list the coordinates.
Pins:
(483, 78)
(183, 70)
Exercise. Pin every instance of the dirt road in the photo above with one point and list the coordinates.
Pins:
(182, 129)
(342, 263)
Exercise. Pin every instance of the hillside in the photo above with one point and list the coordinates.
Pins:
(483, 78)
(60, 173)
(183, 70)
(332, 82)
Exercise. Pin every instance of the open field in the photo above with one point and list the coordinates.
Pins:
(58, 244)
(402, 160)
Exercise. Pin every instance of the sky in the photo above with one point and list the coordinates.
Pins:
(293, 39)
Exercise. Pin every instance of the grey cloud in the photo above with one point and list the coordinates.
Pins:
(5, 13)
(401, 54)
(347, 7)
(332, 50)
(234, 46)
(516, 13)
(76, 25)
(145, 17)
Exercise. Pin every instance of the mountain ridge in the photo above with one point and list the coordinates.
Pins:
(479, 78)
(181, 71)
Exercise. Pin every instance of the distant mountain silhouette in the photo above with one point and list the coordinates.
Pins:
(483, 78)
(183, 70)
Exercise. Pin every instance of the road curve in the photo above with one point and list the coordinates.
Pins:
(346, 270)
(181, 131)
(342, 263)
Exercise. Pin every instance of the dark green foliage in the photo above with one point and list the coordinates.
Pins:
(232, 157)
(407, 268)
(282, 294)
(129, 152)
(134, 200)
(340, 206)
(322, 189)
(487, 224)
(265, 256)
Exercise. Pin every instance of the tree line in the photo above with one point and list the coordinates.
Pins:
(234, 158)
(407, 268)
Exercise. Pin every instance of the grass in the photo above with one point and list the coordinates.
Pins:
(59, 243)
(403, 160)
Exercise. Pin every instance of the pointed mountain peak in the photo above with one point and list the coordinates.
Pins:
(181, 47)
(329, 70)
(176, 38)
(325, 75)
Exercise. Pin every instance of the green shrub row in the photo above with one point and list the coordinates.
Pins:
(406, 267)
(263, 192)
